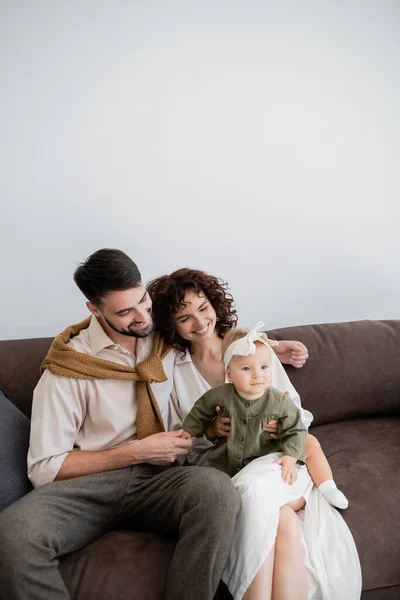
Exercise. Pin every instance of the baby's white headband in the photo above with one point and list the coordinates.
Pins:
(246, 345)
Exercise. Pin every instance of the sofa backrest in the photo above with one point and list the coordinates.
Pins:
(20, 362)
(353, 369)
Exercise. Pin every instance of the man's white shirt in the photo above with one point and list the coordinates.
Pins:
(82, 414)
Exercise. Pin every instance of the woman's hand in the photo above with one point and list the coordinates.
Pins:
(185, 435)
(289, 473)
(272, 426)
(292, 353)
(220, 427)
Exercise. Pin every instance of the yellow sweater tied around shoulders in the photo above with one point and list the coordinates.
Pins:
(63, 360)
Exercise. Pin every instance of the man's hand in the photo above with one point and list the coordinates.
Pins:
(291, 353)
(161, 448)
(289, 473)
(220, 427)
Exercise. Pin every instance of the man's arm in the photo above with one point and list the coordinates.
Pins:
(157, 449)
(58, 412)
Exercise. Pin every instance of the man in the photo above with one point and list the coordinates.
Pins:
(99, 453)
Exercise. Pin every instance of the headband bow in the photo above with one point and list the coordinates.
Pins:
(246, 345)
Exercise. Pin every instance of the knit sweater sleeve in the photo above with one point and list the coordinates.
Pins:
(291, 431)
(201, 415)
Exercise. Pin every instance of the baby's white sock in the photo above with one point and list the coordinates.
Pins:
(334, 496)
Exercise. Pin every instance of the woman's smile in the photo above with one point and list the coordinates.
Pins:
(203, 330)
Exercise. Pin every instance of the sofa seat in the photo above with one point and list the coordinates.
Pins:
(365, 458)
(119, 565)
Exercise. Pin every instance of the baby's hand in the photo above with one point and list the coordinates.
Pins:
(289, 473)
(185, 435)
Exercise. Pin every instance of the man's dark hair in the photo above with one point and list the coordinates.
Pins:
(106, 271)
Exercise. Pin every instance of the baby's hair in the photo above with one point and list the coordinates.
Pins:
(232, 336)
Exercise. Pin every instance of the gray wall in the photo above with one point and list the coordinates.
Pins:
(257, 140)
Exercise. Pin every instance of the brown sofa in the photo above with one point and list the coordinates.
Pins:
(351, 384)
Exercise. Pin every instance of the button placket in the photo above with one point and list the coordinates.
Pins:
(242, 437)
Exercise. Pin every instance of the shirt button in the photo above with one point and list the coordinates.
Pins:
(247, 404)
(241, 438)
(237, 455)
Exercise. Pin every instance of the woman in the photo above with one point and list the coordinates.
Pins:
(193, 311)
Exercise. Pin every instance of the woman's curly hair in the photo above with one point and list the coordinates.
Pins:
(168, 292)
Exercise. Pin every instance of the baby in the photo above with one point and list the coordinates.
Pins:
(250, 402)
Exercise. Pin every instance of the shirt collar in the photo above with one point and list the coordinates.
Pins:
(100, 340)
(98, 337)
(181, 357)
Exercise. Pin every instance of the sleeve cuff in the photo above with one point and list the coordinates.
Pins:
(46, 470)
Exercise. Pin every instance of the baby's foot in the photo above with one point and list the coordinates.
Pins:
(334, 496)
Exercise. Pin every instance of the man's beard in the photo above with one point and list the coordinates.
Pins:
(137, 334)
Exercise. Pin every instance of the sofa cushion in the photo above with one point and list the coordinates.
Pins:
(14, 442)
(353, 369)
(365, 458)
(119, 565)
